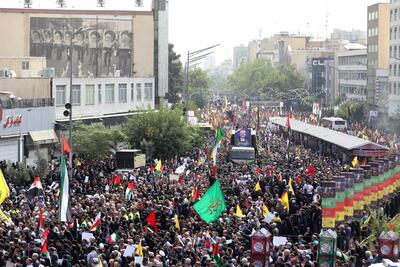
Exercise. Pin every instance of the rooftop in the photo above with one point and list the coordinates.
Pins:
(340, 139)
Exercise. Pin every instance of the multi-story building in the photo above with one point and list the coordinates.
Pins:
(240, 54)
(394, 51)
(378, 56)
(351, 66)
(320, 79)
(110, 48)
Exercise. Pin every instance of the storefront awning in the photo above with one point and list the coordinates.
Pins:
(44, 136)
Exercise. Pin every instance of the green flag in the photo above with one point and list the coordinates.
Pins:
(212, 203)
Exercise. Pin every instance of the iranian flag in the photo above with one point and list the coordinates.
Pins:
(114, 237)
(97, 222)
(65, 212)
(215, 255)
(36, 189)
(214, 153)
(129, 191)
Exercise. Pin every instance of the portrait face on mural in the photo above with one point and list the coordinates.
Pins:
(36, 37)
(125, 41)
(109, 38)
(58, 37)
(111, 34)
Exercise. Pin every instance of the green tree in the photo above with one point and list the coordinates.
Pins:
(175, 75)
(352, 111)
(262, 80)
(394, 122)
(199, 85)
(95, 141)
(42, 165)
(161, 134)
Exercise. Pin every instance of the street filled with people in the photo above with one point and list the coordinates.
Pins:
(146, 217)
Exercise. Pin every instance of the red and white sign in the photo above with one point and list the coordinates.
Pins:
(12, 121)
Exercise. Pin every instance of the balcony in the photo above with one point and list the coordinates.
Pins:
(12, 103)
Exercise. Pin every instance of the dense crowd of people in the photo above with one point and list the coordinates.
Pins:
(93, 190)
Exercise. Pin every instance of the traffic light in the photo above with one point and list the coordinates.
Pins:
(67, 110)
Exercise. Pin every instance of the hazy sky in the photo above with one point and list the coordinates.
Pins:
(195, 24)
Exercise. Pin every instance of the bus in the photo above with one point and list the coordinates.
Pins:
(243, 146)
(334, 123)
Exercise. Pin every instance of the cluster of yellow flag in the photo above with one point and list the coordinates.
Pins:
(158, 165)
(285, 200)
(355, 162)
(4, 190)
(177, 225)
(239, 212)
(139, 249)
(257, 187)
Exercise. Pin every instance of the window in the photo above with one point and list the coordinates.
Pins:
(132, 92)
(109, 93)
(394, 88)
(390, 88)
(60, 95)
(122, 92)
(148, 91)
(76, 94)
(99, 93)
(138, 92)
(394, 70)
(25, 65)
(90, 94)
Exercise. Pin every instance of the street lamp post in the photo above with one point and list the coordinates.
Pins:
(80, 30)
(193, 57)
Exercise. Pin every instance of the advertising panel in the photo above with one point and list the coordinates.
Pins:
(102, 49)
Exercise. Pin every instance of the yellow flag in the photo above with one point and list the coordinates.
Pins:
(158, 165)
(177, 225)
(285, 200)
(4, 190)
(257, 187)
(355, 162)
(239, 212)
(139, 249)
(291, 186)
(265, 210)
(100, 262)
(5, 218)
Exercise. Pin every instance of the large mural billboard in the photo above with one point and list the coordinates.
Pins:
(103, 49)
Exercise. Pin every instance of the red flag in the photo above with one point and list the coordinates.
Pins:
(195, 193)
(288, 122)
(41, 220)
(311, 170)
(151, 220)
(207, 244)
(248, 204)
(258, 171)
(44, 246)
(66, 148)
(298, 179)
(214, 171)
(215, 250)
(117, 179)
(180, 180)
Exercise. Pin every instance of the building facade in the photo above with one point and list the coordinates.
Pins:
(95, 98)
(351, 66)
(161, 52)
(240, 54)
(378, 56)
(113, 52)
(394, 51)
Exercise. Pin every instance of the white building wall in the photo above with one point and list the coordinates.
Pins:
(101, 108)
(163, 51)
(394, 78)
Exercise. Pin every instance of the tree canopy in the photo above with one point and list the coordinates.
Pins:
(95, 141)
(175, 75)
(199, 85)
(162, 134)
(262, 80)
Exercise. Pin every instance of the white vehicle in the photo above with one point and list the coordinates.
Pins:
(334, 123)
